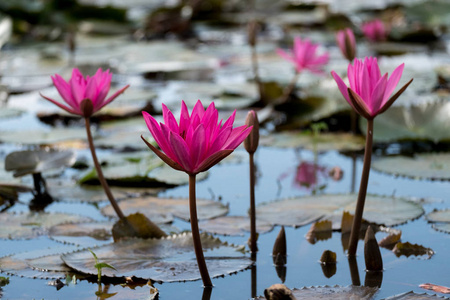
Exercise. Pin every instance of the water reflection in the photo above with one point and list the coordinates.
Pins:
(207, 291)
(354, 273)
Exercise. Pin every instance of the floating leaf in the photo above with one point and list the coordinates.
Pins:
(30, 225)
(407, 249)
(319, 231)
(324, 141)
(435, 288)
(162, 210)
(38, 161)
(43, 137)
(233, 225)
(300, 211)
(414, 296)
(440, 220)
(167, 259)
(425, 165)
(335, 292)
(42, 263)
(390, 240)
(423, 122)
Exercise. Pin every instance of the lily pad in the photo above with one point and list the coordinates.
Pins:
(7, 112)
(301, 211)
(166, 259)
(38, 161)
(30, 225)
(427, 121)
(414, 296)
(407, 249)
(335, 292)
(162, 210)
(434, 166)
(233, 225)
(440, 220)
(42, 263)
(43, 137)
(324, 141)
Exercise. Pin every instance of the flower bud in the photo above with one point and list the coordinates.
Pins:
(252, 140)
(346, 42)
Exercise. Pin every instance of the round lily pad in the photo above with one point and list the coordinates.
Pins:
(323, 142)
(301, 211)
(42, 263)
(43, 137)
(164, 209)
(30, 225)
(440, 220)
(334, 292)
(422, 166)
(233, 225)
(166, 259)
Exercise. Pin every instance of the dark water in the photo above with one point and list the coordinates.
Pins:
(229, 181)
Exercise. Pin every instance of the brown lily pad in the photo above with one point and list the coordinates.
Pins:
(407, 249)
(414, 296)
(334, 292)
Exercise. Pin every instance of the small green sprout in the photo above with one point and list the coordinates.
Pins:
(4, 281)
(100, 265)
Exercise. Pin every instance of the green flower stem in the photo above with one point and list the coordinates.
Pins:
(101, 178)
(253, 246)
(196, 234)
(354, 235)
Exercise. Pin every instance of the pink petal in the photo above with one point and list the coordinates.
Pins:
(64, 89)
(342, 87)
(218, 143)
(66, 108)
(378, 95)
(77, 86)
(365, 86)
(181, 151)
(198, 110)
(185, 120)
(198, 148)
(158, 134)
(114, 96)
(170, 120)
(393, 81)
(237, 137)
(285, 55)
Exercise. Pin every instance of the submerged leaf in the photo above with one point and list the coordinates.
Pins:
(167, 259)
(334, 292)
(413, 296)
(435, 288)
(409, 249)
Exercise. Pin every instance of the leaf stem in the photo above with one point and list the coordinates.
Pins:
(101, 178)
(288, 90)
(196, 234)
(356, 226)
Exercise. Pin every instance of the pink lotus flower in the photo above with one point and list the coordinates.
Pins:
(375, 31)
(370, 93)
(304, 56)
(79, 88)
(197, 142)
(346, 42)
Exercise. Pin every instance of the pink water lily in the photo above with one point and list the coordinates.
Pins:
(375, 31)
(346, 41)
(93, 89)
(370, 93)
(198, 141)
(304, 56)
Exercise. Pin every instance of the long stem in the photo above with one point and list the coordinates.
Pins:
(354, 235)
(101, 178)
(253, 246)
(196, 234)
(256, 72)
(288, 90)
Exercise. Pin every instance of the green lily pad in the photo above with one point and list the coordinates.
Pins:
(233, 225)
(166, 259)
(166, 208)
(301, 211)
(432, 166)
(38, 161)
(336, 292)
(440, 220)
(30, 225)
(43, 137)
(324, 141)
(414, 296)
